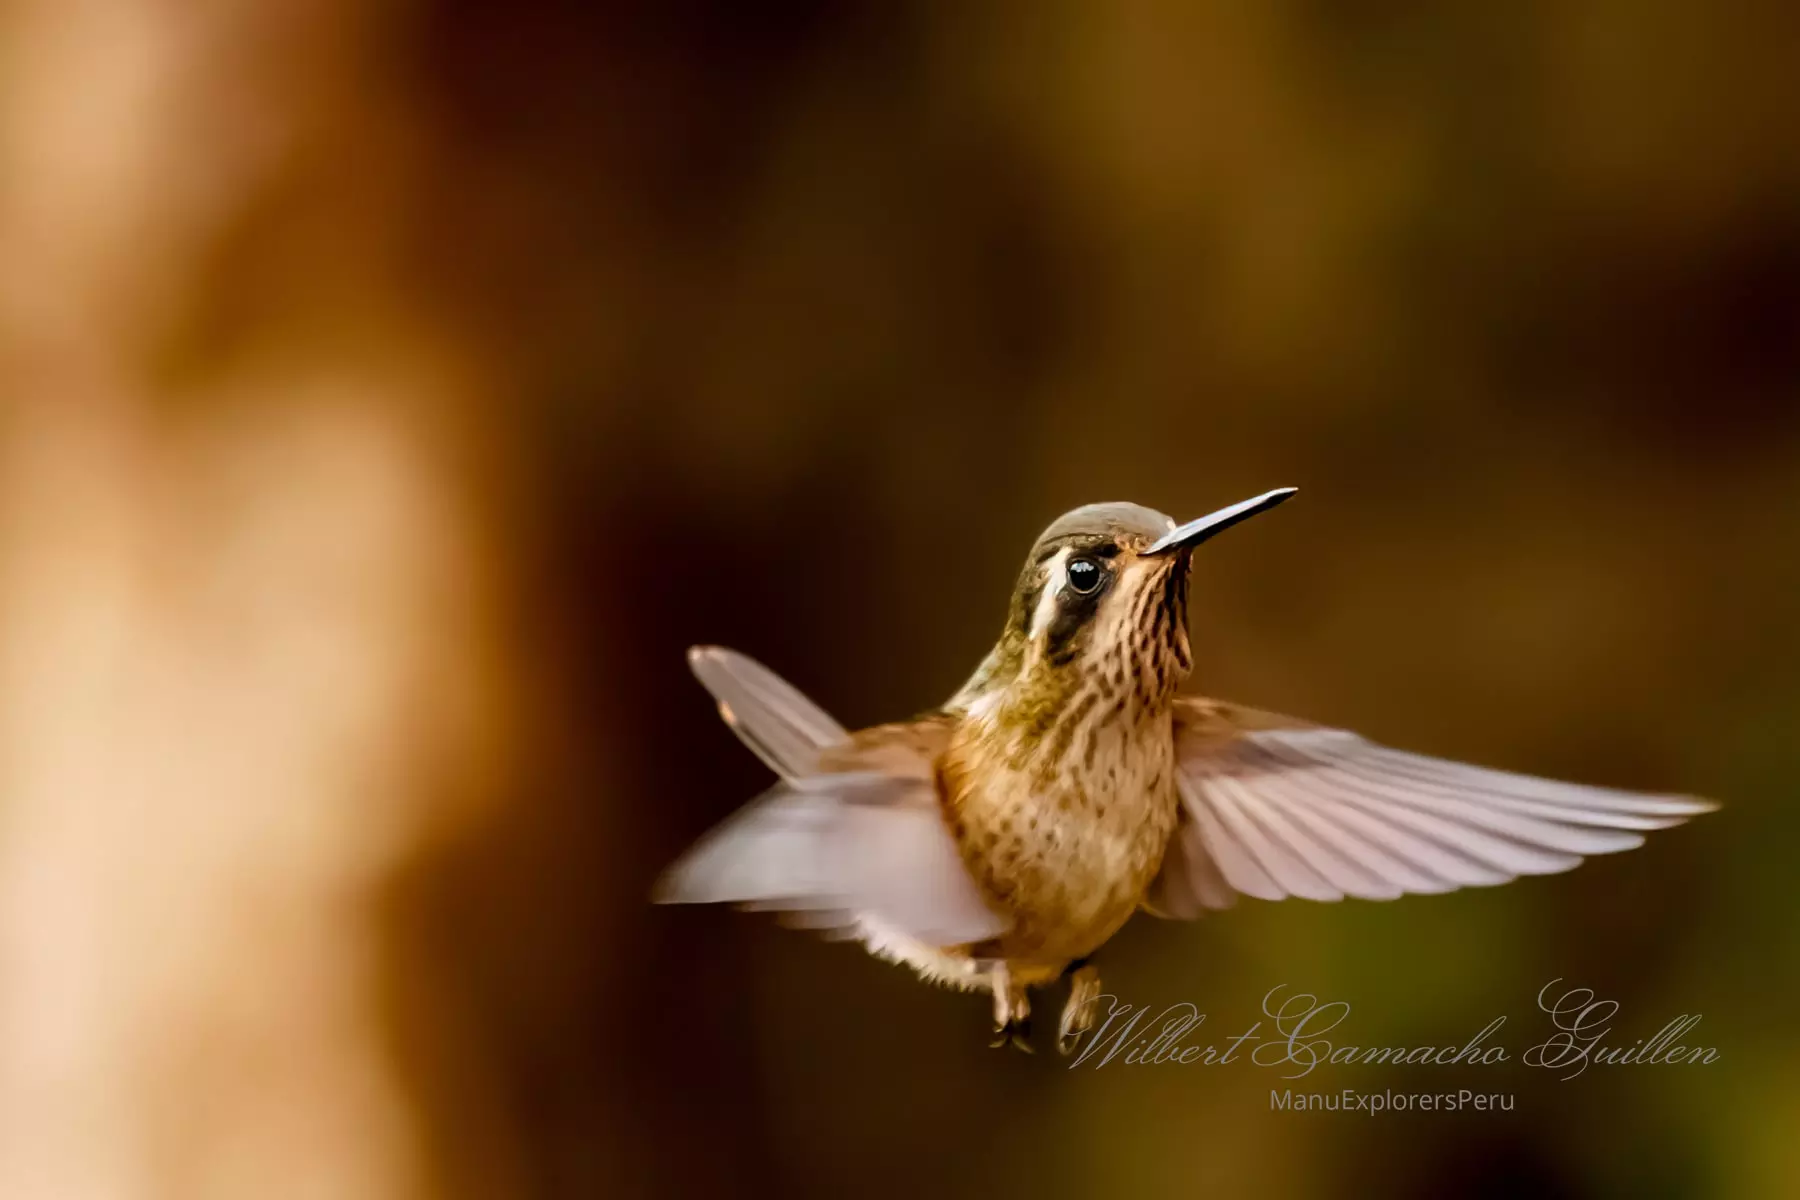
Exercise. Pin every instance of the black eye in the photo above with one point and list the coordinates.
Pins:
(1084, 575)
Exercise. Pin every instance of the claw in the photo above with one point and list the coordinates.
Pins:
(1016, 1034)
(1012, 1012)
(1078, 1013)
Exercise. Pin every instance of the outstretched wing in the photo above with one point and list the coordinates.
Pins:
(854, 829)
(1273, 807)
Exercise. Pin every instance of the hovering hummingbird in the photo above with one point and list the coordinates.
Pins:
(996, 843)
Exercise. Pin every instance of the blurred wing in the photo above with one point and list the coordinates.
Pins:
(854, 829)
(1275, 808)
(832, 847)
(784, 729)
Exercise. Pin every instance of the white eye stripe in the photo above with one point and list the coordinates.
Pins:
(1056, 578)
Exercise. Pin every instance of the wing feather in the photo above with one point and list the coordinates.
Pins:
(1325, 849)
(854, 829)
(1275, 808)
(831, 847)
(1399, 861)
(784, 729)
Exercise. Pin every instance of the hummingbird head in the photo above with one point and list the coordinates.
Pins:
(1102, 599)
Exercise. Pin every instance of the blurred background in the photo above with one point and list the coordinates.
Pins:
(389, 393)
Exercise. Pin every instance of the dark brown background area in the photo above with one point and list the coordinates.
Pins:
(395, 392)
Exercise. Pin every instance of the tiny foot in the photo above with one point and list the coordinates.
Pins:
(1012, 1012)
(1078, 1013)
(1016, 1034)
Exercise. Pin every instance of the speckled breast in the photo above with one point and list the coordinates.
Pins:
(1066, 847)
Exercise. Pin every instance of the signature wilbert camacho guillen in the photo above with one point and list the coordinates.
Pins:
(1298, 1032)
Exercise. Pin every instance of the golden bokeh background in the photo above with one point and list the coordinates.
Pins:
(389, 393)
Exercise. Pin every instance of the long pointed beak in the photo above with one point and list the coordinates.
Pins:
(1185, 537)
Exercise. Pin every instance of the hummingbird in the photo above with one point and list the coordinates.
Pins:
(997, 842)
